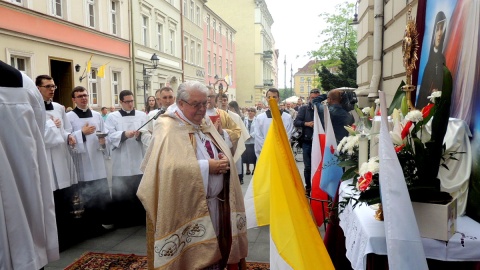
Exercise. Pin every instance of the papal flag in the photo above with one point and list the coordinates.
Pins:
(101, 71)
(319, 208)
(404, 245)
(331, 172)
(89, 64)
(276, 197)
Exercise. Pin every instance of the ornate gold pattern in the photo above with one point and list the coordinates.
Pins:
(410, 48)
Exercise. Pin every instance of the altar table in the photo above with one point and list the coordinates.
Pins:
(365, 235)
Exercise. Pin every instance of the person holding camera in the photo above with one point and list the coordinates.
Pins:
(304, 120)
(338, 106)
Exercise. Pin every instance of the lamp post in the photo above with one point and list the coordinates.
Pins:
(154, 60)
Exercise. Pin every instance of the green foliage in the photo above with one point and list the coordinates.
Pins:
(397, 99)
(338, 34)
(346, 77)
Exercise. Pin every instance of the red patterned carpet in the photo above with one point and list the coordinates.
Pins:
(106, 261)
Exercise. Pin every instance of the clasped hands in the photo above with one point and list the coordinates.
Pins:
(219, 166)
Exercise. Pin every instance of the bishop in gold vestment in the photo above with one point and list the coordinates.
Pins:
(190, 191)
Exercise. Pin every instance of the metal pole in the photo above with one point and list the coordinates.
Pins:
(285, 65)
(144, 86)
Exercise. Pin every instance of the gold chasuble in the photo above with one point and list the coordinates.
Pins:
(180, 233)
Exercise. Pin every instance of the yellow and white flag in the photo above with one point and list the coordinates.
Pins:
(89, 64)
(276, 196)
(101, 71)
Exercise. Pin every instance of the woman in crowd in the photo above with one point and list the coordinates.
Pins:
(151, 104)
(233, 106)
(249, 156)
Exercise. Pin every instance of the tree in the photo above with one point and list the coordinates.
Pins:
(337, 35)
(347, 75)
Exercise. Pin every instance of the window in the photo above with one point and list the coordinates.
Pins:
(185, 8)
(160, 37)
(220, 34)
(214, 64)
(172, 42)
(199, 54)
(192, 52)
(302, 79)
(214, 26)
(226, 67)
(302, 89)
(93, 87)
(231, 41)
(113, 12)
(19, 63)
(185, 49)
(18, 2)
(192, 14)
(57, 8)
(198, 16)
(226, 38)
(220, 66)
(91, 13)
(209, 64)
(208, 26)
(231, 72)
(145, 30)
(116, 87)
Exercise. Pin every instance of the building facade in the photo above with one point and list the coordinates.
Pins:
(304, 79)
(156, 29)
(219, 53)
(59, 38)
(379, 56)
(193, 39)
(255, 67)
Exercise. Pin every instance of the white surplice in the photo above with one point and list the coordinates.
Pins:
(58, 157)
(262, 124)
(92, 160)
(127, 156)
(28, 231)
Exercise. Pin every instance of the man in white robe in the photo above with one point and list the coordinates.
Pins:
(127, 154)
(164, 98)
(264, 120)
(90, 150)
(190, 190)
(64, 180)
(28, 232)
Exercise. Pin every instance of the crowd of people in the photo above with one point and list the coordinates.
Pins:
(177, 167)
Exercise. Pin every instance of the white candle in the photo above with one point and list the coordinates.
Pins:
(362, 150)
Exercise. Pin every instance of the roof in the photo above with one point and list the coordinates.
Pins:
(309, 68)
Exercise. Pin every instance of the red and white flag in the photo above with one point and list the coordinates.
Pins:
(320, 209)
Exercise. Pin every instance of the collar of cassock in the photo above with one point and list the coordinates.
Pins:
(48, 105)
(87, 113)
(269, 113)
(127, 113)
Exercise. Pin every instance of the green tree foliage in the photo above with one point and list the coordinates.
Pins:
(346, 77)
(337, 35)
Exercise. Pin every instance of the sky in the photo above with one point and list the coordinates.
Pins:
(296, 30)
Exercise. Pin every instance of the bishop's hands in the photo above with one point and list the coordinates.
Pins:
(219, 166)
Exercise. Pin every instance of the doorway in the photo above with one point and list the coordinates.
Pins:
(62, 73)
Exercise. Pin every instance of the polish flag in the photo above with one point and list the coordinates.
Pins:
(319, 208)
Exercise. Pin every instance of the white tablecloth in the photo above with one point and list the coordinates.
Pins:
(364, 235)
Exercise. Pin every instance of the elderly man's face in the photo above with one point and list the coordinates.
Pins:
(195, 107)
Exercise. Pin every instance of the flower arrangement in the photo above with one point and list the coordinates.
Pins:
(420, 153)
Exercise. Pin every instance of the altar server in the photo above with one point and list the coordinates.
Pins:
(127, 154)
(60, 163)
(95, 193)
(28, 233)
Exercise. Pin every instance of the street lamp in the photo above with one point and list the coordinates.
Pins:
(154, 60)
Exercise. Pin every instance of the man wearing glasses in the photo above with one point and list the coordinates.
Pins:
(86, 123)
(57, 138)
(127, 155)
(190, 190)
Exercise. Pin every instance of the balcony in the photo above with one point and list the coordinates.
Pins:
(268, 82)
(267, 55)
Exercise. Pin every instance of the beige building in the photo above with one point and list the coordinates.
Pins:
(255, 66)
(380, 32)
(157, 29)
(304, 79)
(193, 40)
(59, 37)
